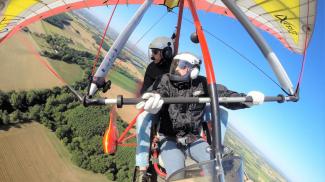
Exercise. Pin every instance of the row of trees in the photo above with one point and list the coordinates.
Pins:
(63, 52)
(80, 128)
(59, 20)
(98, 41)
(22, 106)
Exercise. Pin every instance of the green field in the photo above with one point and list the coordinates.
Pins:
(255, 165)
(69, 72)
(122, 81)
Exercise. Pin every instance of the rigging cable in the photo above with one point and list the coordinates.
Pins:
(152, 26)
(240, 54)
(304, 54)
(103, 38)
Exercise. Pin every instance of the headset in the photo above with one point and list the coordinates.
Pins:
(195, 71)
(167, 52)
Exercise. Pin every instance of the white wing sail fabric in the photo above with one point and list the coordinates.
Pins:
(285, 19)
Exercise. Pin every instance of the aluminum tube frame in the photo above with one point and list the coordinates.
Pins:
(186, 100)
(216, 146)
(179, 25)
(117, 46)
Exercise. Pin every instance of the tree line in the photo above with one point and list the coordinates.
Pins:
(63, 52)
(61, 49)
(59, 20)
(98, 41)
(80, 128)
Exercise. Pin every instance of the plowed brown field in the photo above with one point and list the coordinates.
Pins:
(30, 153)
(21, 68)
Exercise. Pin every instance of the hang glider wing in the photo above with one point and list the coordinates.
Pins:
(286, 20)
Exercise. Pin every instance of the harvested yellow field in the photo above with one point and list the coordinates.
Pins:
(21, 68)
(31, 153)
(37, 27)
(84, 36)
(82, 40)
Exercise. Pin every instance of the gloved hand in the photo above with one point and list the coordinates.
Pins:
(258, 98)
(152, 104)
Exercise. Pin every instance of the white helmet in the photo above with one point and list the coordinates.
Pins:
(165, 44)
(185, 60)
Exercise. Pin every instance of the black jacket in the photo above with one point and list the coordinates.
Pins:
(154, 71)
(181, 119)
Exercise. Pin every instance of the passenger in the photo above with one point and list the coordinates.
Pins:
(180, 124)
(161, 52)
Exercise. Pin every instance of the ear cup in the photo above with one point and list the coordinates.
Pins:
(194, 73)
(167, 52)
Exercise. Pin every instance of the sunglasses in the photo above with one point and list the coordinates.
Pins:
(155, 51)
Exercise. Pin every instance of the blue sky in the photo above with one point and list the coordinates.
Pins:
(291, 135)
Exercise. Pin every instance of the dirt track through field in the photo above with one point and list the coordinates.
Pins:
(31, 154)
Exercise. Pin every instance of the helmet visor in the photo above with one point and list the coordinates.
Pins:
(179, 65)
